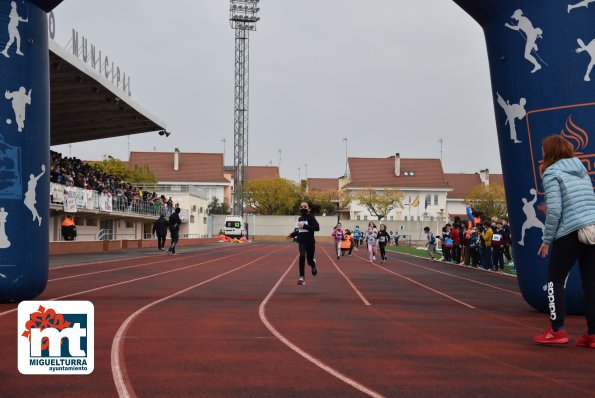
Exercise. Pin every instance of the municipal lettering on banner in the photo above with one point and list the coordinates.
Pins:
(56, 337)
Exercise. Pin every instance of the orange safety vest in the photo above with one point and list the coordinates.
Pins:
(346, 244)
(68, 222)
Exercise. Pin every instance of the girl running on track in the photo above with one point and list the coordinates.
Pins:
(570, 213)
(371, 238)
(338, 235)
(304, 234)
(383, 240)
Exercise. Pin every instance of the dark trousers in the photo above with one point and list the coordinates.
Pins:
(474, 256)
(447, 253)
(175, 236)
(307, 250)
(565, 252)
(498, 258)
(161, 241)
(507, 252)
(382, 246)
(486, 257)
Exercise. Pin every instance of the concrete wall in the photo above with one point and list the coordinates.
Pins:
(79, 247)
(280, 226)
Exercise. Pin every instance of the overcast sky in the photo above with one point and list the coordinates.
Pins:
(388, 75)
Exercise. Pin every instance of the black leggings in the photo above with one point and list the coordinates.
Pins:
(565, 251)
(307, 250)
(382, 246)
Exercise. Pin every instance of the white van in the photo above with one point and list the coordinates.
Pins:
(234, 226)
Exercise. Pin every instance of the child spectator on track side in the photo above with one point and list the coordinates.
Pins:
(338, 235)
(304, 235)
(347, 243)
(371, 238)
(474, 247)
(430, 243)
(486, 235)
(498, 247)
(446, 244)
(456, 243)
(383, 240)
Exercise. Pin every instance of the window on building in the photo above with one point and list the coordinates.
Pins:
(359, 217)
(401, 227)
(418, 218)
(436, 200)
(193, 207)
(204, 220)
(431, 218)
(201, 210)
(405, 218)
(365, 217)
(91, 222)
(392, 218)
(428, 200)
(79, 221)
(129, 224)
(192, 219)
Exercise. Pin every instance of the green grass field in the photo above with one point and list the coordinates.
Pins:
(423, 253)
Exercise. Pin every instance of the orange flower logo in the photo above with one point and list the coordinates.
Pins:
(43, 319)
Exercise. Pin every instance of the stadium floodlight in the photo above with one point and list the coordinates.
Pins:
(243, 16)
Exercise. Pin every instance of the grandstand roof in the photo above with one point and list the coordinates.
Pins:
(192, 167)
(46, 5)
(84, 105)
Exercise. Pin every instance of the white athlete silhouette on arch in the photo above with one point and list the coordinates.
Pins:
(590, 49)
(13, 30)
(513, 111)
(4, 242)
(584, 3)
(30, 199)
(532, 221)
(20, 99)
(531, 35)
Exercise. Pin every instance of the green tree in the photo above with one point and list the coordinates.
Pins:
(490, 199)
(272, 196)
(216, 207)
(114, 167)
(142, 174)
(379, 203)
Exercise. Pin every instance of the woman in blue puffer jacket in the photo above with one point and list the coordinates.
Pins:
(570, 206)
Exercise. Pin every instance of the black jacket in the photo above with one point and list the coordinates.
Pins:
(306, 234)
(160, 226)
(174, 222)
(385, 235)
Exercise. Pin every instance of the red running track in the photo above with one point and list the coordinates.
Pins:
(230, 321)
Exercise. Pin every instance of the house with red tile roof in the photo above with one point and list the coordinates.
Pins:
(421, 181)
(322, 184)
(462, 185)
(191, 179)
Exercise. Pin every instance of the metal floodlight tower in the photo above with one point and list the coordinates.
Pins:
(243, 15)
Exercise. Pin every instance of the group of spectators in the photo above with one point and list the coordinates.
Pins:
(479, 243)
(73, 172)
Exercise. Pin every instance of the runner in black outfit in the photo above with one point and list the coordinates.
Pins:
(383, 240)
(304, 234)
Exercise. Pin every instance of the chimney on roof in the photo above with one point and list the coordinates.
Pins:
(176, 159)
(484, 176)
(397, 164)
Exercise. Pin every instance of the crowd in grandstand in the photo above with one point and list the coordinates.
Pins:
(73, 172)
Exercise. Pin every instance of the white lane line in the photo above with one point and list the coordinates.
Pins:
(129, 281)
(355, 289)
(115, 260)
(308, 357)
(456, 276)
(116, 268)
(426, 287)
(118, 364)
